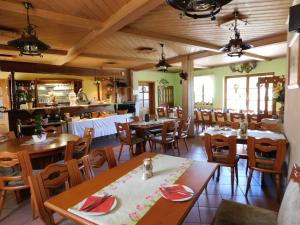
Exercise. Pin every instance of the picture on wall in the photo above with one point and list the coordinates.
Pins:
(294, 63)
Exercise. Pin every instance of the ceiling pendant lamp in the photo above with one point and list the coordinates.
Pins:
(236, 46)
(162, 65)
(28, 43)
(199, 8)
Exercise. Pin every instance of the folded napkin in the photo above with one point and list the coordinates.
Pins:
(175, 192)
(104, 207)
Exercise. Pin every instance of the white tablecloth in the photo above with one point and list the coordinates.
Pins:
(103, 126)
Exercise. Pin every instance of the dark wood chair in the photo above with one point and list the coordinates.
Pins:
(252, 118)
(230, 212)
(197, 120)
(220, 117)
(179, 113)
(232, 125)
(161, 112)
(77, 149)
(14, 171)
(53, 129)
(126, 138)
(167, 137)
(170, 112)
(266, 156)
(206, 117)
(183, 130)
(237, 117)
(265, 126)
(49, 182)
(221, 149)
(90, 134)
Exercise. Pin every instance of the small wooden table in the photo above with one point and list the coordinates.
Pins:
(163, 212)
(58, 143)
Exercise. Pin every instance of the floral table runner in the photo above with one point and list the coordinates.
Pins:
(136, 196)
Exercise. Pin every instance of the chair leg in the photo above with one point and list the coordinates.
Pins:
(247, 166)
(218, 174)
(131, 151)
(262, 179)
(187, 149)
(249, 181)
(34, 209)
(236, 173)
(2, 200)
(278, 186)
(232, 180)
(120, 152)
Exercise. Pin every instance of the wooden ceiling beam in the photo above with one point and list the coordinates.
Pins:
(59, 18)
(169, 38)
(133, 10)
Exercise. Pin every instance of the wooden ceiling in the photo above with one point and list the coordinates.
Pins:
(106, 34)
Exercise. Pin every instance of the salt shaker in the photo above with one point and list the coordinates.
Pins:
(148, 168)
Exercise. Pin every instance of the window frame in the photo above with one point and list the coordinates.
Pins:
(247, 76)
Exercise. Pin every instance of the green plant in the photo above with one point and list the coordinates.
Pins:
(28, 97)
(38, 129)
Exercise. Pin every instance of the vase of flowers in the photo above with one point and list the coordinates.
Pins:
(279, 96)
(29, 100)
(39, 133)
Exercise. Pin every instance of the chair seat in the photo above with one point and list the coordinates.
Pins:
(233, 213)
(15, 183)
(159, 139)
(219, 156)
(136, 140)
(155, 131)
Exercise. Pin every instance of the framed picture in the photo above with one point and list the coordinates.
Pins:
(294, 61)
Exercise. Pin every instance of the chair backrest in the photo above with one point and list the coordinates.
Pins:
(9, 164)
(53, 130)
(260, 147)
(179, 113)
(169, 131)
(232, 125)
(50, 181)
(184, 126)
(122, 111)
(77, 149)
(217, 142)
(266, 126)
(170, 112)
(206, 117)
(252, 118)
(197, 115)
(124, 134)
(220, 117)
(161, 112)
(90, 134)
(237, 117)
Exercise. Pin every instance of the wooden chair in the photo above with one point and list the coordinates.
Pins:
(126, 138)
(97, 159)
(167, 137)
(259, 151)
(206, 117)
(14, 171)
(197, 120)
(77, 149)
(266, 126)
(179, 113)
(252, 118)
(232, 125)
(221, 149)
(53, 130)
(183, 130)
(90, 134)
(161, 112)
(170, 112)
(220, 117)
(49, 182)
(237, 117)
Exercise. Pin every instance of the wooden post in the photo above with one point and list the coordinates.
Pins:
(13, 103)
(188, 92)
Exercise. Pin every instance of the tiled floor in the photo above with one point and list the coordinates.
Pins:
(204, 210)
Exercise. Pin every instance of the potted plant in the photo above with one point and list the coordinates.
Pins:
(29, 100)
(39, 133)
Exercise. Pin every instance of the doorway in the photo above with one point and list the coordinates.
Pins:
(147, 96)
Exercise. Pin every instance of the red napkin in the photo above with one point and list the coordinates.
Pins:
(171, 194)
(104, 207)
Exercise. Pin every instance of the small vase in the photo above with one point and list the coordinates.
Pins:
(29, 105)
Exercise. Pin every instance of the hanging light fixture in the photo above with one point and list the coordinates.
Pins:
(236, 46)
(199, 8)
(162, 65)
(28, 43)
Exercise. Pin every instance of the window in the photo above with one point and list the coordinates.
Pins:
(241, 92)
(204, 89)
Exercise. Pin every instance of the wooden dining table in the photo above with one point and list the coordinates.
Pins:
(53, 143)
(163, 212)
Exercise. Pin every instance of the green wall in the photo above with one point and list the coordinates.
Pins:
(172, 78)
(278, 66)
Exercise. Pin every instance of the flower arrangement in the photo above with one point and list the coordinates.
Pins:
(279, 93)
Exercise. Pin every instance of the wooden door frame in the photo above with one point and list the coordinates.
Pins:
(152, 99)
